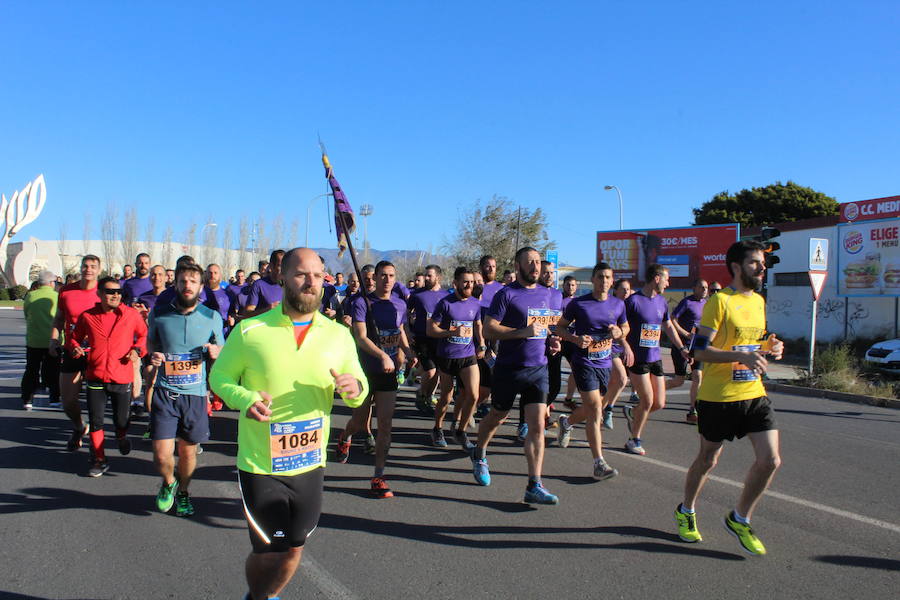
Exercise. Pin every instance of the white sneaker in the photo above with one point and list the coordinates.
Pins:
(633, 446)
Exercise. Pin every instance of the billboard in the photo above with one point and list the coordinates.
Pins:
(867, 210)
(868, 258)
(688, 252)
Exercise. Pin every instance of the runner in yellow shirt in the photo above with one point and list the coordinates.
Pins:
(280, 369)
(732, 344)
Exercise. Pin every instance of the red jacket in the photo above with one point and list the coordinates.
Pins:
(110, 337)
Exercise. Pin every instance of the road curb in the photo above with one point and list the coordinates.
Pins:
(831, 395)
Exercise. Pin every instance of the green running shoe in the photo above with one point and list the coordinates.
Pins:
(183, 506)
(687, 526)
(166, 496)
(744, 534)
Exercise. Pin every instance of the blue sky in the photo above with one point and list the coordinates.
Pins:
(212, 108)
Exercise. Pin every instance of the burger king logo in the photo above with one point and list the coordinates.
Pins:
(851, 211)
(853, 242)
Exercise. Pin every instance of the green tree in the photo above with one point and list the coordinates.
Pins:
(759, 206)
(494, 228)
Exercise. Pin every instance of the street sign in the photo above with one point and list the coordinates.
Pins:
(818, 254)
(553, 257)
(817, 281)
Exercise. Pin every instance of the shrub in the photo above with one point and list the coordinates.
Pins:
(4, 295)
(17, 292)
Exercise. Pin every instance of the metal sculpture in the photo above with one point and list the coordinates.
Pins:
(19, 211)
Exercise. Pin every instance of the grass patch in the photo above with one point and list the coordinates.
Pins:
(10, 303)
(836, 368)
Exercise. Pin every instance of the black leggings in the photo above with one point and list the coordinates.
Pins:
(119, 394)
(40, 366)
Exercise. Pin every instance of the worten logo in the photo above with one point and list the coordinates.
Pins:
(720, 257)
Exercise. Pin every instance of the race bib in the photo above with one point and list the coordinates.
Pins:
(295, 444)
(600, 347)
(546, 318)
(184, 369)
(739, 371)
(650, 335)
(463, 334)
(389, 341)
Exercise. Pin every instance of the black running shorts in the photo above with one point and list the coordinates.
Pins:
(720, 421)
(281, 510)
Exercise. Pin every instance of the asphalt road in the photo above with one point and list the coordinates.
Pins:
(831, 521)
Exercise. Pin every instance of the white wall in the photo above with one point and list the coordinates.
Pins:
(789, 309)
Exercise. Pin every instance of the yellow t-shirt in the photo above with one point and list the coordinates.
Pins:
(739, 323)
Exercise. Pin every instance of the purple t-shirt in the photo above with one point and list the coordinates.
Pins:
(422, 305)
(150, 299)
(453, 312)
(516, 306)
(593, 317)
(219, 301)
(645, 319)
(389, 317)
(688, 312)
(400, 291)
(133, 288)
(488, 291)
(234, 290)
(263, 294)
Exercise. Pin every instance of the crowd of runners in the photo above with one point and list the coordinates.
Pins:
(282, 343)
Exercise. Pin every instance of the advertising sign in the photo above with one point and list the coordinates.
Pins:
(688, 252)
(869, 258)
(867, 210)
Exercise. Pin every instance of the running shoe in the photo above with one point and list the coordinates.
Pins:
(564, 433)
(369, 445)
(199, 449)
(146, 435)
(461, 438)
(522, 432)
(137, 409)
(183, 505)
(539, 495)
(570, 403)
(687, 526)
(124, 445)
(481, 471)
(691, 416)
(744, 534)
(548, 424)
(54, 404)
(608, 418)
(483, 409)
(165, 498)
(633, 446)
(380, 488)
(74, 442)
(27, 406)
(629, 418)
(420, 402)
(98, 468)
(634, 398)
(602, 470)
(437, 438)
(342, 449)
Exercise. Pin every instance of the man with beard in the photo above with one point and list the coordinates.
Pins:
(421, 306)
(139, 284)
(183, 334)
(731, 401)
(519, 317)
(281, 370)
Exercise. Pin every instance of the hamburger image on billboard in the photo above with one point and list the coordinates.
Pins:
(863, 273)
(892, 275)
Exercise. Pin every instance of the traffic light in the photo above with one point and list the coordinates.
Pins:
(771, 247)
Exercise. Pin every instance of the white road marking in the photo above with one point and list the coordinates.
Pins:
(786, 497)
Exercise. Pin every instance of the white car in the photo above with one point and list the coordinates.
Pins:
(885, 356)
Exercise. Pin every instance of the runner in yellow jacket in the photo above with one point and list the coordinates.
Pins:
(281, 369)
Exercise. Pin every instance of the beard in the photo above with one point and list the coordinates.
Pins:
(753, 282)
(187, 302)
(302, 303)
(526, 278)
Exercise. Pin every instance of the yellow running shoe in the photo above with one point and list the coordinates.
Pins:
(687, 526)
(744, 534)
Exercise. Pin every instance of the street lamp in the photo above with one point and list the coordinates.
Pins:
(309, 212)
(621, 208)
(365, 210)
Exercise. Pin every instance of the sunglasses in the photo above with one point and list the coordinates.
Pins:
(112, 292)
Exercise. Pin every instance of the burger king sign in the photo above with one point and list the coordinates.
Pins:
(869, 258)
